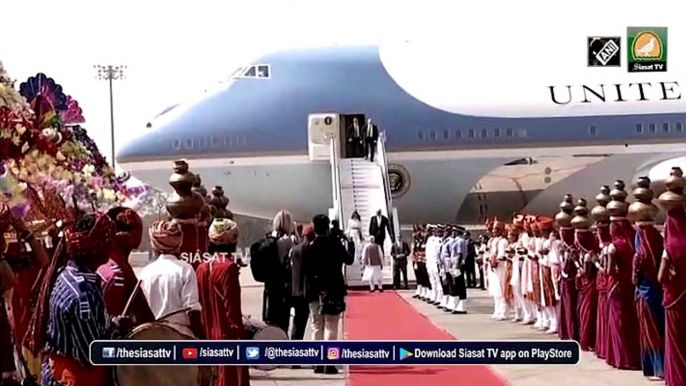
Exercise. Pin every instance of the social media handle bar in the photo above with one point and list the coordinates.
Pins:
(132, 352)
(491, 353)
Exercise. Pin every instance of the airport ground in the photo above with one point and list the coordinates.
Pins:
(427, 322)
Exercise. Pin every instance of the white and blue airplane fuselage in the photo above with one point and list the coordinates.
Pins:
(459, 116)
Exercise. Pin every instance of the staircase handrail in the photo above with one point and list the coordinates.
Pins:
(336, 187)
(381, 152)
(336, 177)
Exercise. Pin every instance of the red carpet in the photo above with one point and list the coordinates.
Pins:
(386, 316)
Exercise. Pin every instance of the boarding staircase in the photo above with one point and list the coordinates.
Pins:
(362, 189)
(357, 184)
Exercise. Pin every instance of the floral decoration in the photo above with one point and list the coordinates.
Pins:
(44, 152)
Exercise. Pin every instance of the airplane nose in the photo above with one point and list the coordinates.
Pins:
(140, 149)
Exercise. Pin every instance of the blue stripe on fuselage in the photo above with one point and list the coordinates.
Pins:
(270, 115)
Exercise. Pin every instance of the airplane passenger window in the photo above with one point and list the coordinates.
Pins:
(496, 133)
(420, 135)
(679, 127)
(592, 130)
(458, 134)
(251, 73)
(189, 144)
(639, 128)
(484, 133)
(433, 134)
(446, 134)
(652, 127)
(509, 132)
(263, 71)
(176, 144)
(471, 133)
(665, 127)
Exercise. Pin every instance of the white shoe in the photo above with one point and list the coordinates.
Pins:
(552, 331)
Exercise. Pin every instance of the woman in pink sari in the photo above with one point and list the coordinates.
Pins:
(623, 351)
(602, 217)
(672, 275)
(588, 248)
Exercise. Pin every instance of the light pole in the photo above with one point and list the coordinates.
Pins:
(110, 73)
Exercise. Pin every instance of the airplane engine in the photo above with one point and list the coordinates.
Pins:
(658, 173)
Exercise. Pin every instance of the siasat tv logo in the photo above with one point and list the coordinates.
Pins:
(647, 49)
(198, 257)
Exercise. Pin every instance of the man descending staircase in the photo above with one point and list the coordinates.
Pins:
(362, 189)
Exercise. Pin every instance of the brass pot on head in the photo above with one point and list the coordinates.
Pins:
(618, 206)
(184, 203)
(643, 209)
(581, 219)
(564, 217)
(674, 197)
(600, 213)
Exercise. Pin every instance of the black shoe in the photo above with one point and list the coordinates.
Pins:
(381, 289)
(319, 369)
(371, 290)
(296, 367)
(459, 312)
(331, 370)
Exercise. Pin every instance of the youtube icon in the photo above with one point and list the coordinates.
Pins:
(190, 353)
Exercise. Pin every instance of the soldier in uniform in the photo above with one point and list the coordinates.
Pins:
(433, 250)
(444, 262)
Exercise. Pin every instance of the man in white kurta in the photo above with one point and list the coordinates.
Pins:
(515, 281)
(554, 259)
(541, 318)
(497, 272)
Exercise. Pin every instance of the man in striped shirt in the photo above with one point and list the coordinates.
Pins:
(77, 309)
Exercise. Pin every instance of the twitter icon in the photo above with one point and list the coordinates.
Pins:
(252, 353)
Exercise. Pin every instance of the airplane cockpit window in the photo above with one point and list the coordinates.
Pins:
(250, 73)
(262, 71)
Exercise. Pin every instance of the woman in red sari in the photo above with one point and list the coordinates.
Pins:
(651, 314)
(587, 246)
(623, 351)
(568, 322)
(602, 217)
(671, 275)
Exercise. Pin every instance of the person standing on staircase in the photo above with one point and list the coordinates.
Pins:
(371, 137)
(378, 225)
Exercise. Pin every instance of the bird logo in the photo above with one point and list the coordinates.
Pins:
(647, 45)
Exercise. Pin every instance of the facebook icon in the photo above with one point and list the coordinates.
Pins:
(108, 352)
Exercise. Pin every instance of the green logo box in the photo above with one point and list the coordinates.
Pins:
(647, 49)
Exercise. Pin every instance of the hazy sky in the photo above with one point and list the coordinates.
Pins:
(173, 48)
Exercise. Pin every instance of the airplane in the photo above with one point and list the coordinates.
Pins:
(477, 125)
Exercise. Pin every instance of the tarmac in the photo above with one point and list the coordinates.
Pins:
(476, 325)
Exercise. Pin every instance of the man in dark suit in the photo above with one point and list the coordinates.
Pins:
(470, 261)
(378, 225)
(298, 300)
(399, 252)
(371, 137)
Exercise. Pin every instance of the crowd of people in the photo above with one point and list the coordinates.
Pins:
(302, 270)
(614, 286)
(90, 292)
(444, 258)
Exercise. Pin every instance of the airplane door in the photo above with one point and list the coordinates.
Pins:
(320, 128)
